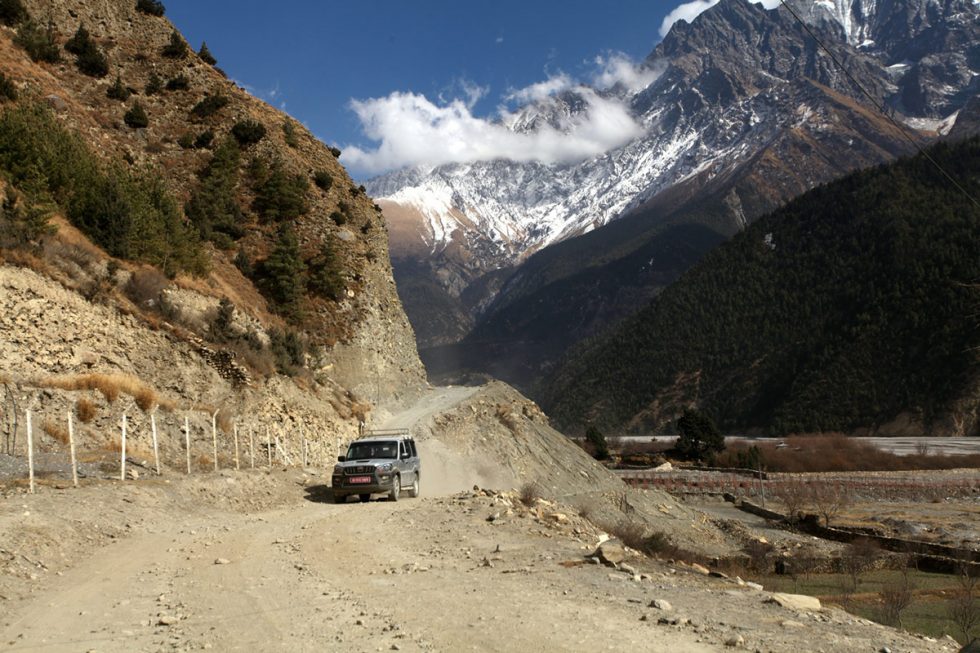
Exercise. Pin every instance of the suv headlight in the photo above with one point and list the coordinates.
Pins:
(338, 469)
(387, 467)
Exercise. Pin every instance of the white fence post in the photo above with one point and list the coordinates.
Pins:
(237, 464)
(214, 438)
(71, 448)
(187, 442)
(156, 449)
(30, 453)
(122, 451)
(251, 445)
(268, 442)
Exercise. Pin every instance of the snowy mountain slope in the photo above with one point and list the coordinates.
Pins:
(733, 81)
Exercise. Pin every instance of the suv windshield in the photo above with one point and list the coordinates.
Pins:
(368, 450)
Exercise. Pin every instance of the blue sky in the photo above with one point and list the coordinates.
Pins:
(312, 58)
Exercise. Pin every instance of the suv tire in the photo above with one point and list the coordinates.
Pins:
(414, 490)
(396, 488)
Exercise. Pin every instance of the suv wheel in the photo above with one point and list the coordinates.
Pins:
(414, 491)
(396, 488)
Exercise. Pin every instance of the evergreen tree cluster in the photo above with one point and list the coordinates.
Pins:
(279, 195)
(248, 132)
(210, 105)
(151, 7)
(88, 57)
(12, 12)
(176, 47)
(852, 304)
(131, 216)
(213, 207)
(38, 42)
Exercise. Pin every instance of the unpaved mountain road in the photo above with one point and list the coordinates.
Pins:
(315, 576)
(261, 560)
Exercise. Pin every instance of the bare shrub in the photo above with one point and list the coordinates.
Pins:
(829, 499)
(360, 410)
(859, 557)
(144, 287)
(963, 607)
(895, 598)
(57, 431)
(86, 410)
(146, 398)
(794, 494)
(758, 552)
(529, 493)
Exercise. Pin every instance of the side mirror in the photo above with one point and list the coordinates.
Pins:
(406, 456)
(341, 459)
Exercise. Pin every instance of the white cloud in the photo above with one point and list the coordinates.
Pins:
(411, 130)
(617, 69)
(691, 10)
(687, 11)
(541, 90)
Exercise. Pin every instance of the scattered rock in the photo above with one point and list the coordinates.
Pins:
(701, 569)
(222, 561)
(661, 604)
(611, 552)
(734, 642)
(795, 601)
(167, 620)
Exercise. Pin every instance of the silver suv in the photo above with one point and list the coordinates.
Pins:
(381, 461)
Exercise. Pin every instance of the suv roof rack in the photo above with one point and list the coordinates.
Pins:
(380, 433)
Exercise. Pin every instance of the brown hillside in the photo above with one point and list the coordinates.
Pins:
(364, 335)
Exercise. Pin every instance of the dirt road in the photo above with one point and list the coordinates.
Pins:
(261, 561)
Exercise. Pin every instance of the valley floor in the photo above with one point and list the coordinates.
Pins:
(261, 561)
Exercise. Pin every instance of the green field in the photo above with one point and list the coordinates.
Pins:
(926, 614)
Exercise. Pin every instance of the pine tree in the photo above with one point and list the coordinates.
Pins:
(282, 274)
(176, 48)
(136, 116)
(213, 207)
(154, 85)
(278, 195)
(39, 43)
(598, 441)
(12, 12)
(88, 57)
(699, 437)
(117, 91)
(151, 7)
(205, 54)
(248, 132)
(326, 278)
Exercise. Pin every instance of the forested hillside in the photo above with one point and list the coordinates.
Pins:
(855, 306)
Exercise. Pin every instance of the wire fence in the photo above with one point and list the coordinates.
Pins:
(39, 444)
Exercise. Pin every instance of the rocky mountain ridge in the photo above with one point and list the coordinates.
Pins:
(735, 80)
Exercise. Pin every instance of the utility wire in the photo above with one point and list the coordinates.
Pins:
(881, 109)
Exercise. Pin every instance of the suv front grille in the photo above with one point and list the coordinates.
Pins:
(362, 469)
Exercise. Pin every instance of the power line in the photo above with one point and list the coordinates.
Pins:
(881, 109)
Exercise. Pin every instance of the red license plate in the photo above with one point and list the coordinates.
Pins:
(359, 479)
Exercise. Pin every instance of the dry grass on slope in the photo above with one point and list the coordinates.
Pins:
(111, 386)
